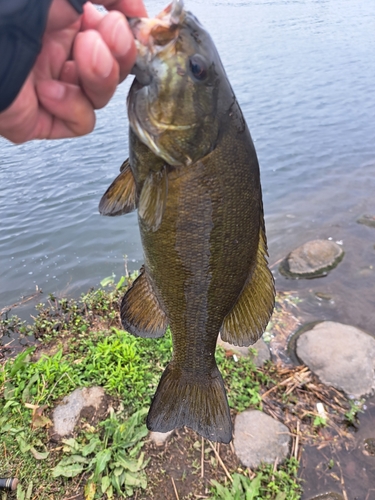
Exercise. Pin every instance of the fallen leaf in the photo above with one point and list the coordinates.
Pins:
(38, 420)
(90, 490)
(39, 455)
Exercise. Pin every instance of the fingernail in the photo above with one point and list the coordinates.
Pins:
(101, 59)
(121, 38)
(52, 89)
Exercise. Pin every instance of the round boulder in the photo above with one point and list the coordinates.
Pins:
(160, 438)
(312, 260)
(342, 356)
(367, 220)
(260, 438)
(67, 414)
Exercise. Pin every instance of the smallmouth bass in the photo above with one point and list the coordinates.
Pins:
(193, 175)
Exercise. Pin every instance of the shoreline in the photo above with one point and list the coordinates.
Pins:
(66, 328)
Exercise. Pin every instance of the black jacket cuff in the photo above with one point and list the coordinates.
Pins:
(22, 25)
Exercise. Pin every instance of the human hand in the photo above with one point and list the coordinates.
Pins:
(83, 59)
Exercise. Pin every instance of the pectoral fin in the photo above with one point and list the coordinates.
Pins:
(120, 197)
(245, 324)
(141, 313)
(153, 199)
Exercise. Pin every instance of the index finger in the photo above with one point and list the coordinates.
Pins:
(130, 8)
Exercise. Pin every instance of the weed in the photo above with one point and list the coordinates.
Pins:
(113, 462)
(319, 421)
(242, 488)
(123, 365)
(280, 484)
(243, 381)
(12, 325)
(354, 408)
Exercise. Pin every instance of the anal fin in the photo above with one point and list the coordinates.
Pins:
(141, 313)
(248, 319)
(120, 197)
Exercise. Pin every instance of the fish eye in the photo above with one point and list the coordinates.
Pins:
(198, 67)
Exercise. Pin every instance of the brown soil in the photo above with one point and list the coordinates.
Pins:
(185, 466)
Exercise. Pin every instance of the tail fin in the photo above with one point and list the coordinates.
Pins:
(195, 401)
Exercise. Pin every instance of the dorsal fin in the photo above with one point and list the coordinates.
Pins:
(141, 313)
(248, 319)
(153, 199)
(120, 197)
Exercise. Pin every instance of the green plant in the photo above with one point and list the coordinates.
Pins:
(123, 365)
(269, 484)
(114, 461)
(280, 484)
(12, 325)
(242, 488)
(243, 381)
(319, 421)
(24, 494)
(354, 408)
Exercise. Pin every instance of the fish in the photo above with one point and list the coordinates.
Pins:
(193, 175)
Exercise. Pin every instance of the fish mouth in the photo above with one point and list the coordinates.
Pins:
(155, 41)
(153, 36)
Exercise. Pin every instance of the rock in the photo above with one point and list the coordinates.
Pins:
(367, 220)
(312, 260)
(263, 352)
(369, 447)
(67, 413)
(260, 438)
(366, 272)
(323, 296)
(160, 438)
(342, 356)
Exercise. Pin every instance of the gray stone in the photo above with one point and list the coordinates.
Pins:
(369, 447)
(160, 438)
(263, 353)
(367, 220)
(260, 438)
(323, 296)
(342, 356)
(67, 413)
(312, 260)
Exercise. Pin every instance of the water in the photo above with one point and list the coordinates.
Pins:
(344, 466)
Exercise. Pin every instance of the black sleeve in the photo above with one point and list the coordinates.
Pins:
(22, 24)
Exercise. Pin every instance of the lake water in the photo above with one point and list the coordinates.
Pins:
(304, 74)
